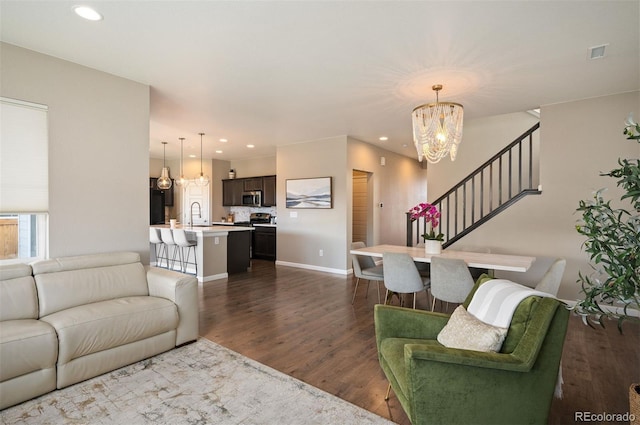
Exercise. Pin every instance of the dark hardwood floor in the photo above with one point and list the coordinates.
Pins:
(302, 323)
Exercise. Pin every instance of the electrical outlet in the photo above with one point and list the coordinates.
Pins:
(216, 241)
(321, 253)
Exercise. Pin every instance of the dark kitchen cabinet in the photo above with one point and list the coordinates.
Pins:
(168, 193)
(264, 243)
(269, 191)
(253, 183)
(232, 192)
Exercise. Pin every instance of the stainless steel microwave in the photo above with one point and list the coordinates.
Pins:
(252, 199)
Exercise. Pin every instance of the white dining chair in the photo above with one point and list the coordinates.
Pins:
(551, 280)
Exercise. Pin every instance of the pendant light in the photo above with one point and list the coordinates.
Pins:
(202, 180)
(164, 181)
(181, 181)
(437, 129)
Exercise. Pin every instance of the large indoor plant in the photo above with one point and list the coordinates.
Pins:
(612, 290)
(613, 245)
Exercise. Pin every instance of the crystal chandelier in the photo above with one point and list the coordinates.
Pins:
(164, 181)
(437, 129)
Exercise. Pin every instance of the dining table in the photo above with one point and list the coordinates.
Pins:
(480, 260)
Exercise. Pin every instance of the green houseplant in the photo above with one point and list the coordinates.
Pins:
(613, 245)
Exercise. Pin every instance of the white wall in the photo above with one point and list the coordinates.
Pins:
(578, 140)
(98, 151)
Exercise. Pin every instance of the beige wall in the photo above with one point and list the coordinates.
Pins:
(98, 151)
(301, 238)
(398, 185)
(578, 140)
(265, 166)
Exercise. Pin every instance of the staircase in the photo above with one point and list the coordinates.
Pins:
(500, 182)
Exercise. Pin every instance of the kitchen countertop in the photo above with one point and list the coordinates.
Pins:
(207, 229)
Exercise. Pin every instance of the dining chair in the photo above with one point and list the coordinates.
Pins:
(451, 280)
(402, 277)
(364, 267)
(550, 282)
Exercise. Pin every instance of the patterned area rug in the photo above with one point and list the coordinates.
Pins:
(201, 383)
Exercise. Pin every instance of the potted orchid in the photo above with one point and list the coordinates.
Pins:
(431, 216)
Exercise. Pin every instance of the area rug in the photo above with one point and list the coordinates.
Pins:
(200, 383)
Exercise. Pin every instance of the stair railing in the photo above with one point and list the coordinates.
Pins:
(505, 178)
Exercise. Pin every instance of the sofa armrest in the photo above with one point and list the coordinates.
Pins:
(441, 354)
(183, 291)
(398, 322)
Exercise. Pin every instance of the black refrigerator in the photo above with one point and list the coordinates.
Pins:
(156, 206)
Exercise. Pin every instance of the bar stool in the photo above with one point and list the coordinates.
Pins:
(167, 238)
(180, 238)
(158, 246)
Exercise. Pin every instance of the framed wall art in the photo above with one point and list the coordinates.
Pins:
(309, 193)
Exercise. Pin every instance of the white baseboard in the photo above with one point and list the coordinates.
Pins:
(312, 267)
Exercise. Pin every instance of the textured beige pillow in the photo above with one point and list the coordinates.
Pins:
(468, 333)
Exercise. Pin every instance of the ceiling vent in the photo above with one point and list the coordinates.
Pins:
(597, 52)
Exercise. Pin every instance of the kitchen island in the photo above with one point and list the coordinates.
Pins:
(220, 250)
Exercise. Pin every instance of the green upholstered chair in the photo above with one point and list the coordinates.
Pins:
(440, 385)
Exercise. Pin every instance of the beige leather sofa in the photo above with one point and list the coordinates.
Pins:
(69, 319)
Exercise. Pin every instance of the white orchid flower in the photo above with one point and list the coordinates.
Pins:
(629, 121)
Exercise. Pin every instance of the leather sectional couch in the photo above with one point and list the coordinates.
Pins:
(69, 319)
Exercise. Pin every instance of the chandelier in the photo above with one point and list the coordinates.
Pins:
(437, 129)
(164, 181)
(202, 179)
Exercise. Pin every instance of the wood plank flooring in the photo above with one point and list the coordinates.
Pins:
(302, 323)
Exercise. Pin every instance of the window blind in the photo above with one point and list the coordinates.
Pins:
(24, 157)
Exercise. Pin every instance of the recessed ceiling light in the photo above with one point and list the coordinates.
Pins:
(87, 12)
(192, 156)
(218, 151)
(251, 146)
(224, 140)
(384, 138)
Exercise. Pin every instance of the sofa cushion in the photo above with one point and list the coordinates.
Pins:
(13, 271)
(18, 298)
(71, 288)
(26, 346)
(466, 332)
(95, 327)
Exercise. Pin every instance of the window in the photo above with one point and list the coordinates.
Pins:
(24, 180)
(24, 237)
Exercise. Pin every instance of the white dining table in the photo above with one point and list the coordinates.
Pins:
(481, 260)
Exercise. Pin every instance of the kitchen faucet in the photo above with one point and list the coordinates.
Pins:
(191, 211)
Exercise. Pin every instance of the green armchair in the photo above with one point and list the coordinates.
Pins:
(440, 385)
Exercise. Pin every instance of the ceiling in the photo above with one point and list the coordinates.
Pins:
(272, 73)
